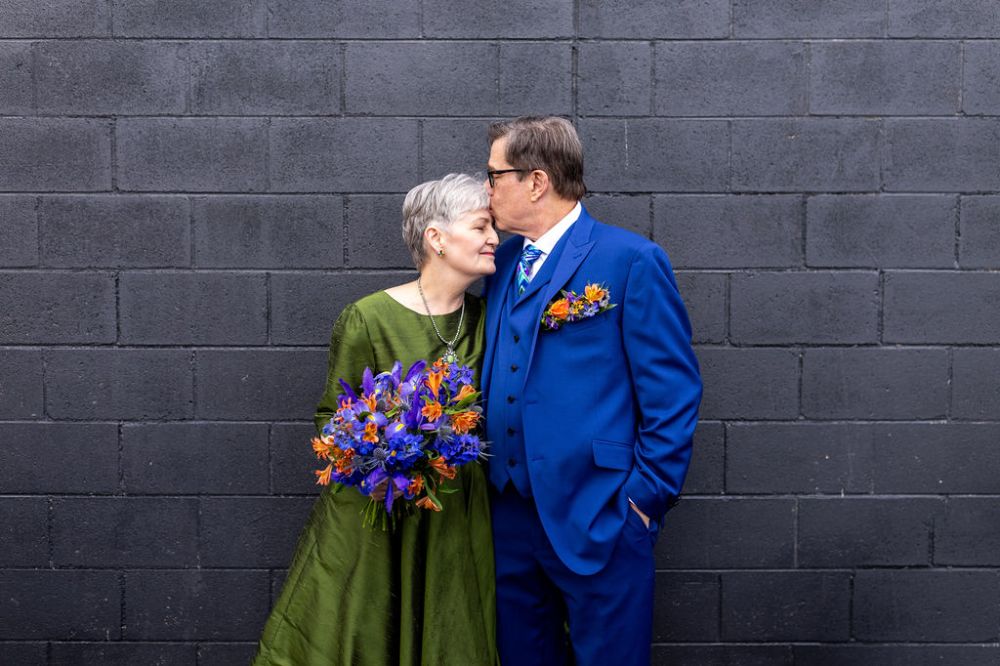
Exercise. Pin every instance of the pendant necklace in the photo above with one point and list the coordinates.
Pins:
(450, 356)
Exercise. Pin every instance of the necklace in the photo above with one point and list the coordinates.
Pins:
(450, 356)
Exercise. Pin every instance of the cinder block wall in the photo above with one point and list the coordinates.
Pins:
(193, 190)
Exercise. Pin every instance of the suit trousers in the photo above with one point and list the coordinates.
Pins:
(609, 614)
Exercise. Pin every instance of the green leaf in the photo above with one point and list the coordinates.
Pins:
(434, 498)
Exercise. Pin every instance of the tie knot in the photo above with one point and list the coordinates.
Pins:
(530, 253)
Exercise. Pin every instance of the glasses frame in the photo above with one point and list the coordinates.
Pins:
(491, 175)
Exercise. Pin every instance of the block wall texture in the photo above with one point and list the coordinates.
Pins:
(191, 191)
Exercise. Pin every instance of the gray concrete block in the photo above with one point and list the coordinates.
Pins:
(344, 18)
(195, 458)
(804, 307)
(124, 532)
(119, 384)
(935, 458)
(193, 308)
(110, 77)
(21, 393)
(726, 231)
(688, 19)
(24, 533)
(981, 78)
(262, 78)
(57, 308)
(259, 385)
(92, 447)
(749, 383)
(546, 90)
(659, 155)
(55, 18)
(121, 654)
(268, 232)
(730, 78)
(885, 78)
(118, 231)
(195, 605)
(806, 155)
(941, 307)
(37, 605)
(18, 231)
(264, 537)
(192, 154)
(943, 18)
(305, 305)
(190, 18)
(979, 232)
(630, 211)
(800, 606)
(895, 655)
(453, 145)
(374, 232)
(709, 655)
(833, 18)
(44, 154)
(875, 384)
(686, 607)
(516, 18)
(614, 78)
(706, 475)
(967, 533)
(881, 231)
(292, 459)
(704, 297)
(227, 654)
(723, 534)
(862, 532)
(942, 155)
(394, 78)
(926, 606)
(343, 154)
(799, 458)
(976, 387)
(16, 87)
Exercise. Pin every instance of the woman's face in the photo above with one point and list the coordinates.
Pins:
(470, 243)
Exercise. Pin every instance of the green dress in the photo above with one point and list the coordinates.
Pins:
(421, 594)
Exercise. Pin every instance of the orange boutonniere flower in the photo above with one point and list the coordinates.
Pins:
(571, 306)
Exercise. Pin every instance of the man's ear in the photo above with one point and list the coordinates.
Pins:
(539, 184)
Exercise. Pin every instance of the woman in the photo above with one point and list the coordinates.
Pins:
(424, 592)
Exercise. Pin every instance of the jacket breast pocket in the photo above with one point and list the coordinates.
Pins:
(613, 455)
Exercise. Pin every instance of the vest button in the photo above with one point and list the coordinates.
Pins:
(513, 367)
(517, 338)
(511, 399)
(511, 462)
(510, 431)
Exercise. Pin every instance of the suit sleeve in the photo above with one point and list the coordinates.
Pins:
(665, 378)
(350, 353)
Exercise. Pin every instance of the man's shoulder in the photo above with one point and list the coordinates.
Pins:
(621, 241)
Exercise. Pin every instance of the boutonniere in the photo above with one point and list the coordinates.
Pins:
(572, 307)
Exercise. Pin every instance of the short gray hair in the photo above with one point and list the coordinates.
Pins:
(441, 201)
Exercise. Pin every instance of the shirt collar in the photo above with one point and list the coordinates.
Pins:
(547, 241)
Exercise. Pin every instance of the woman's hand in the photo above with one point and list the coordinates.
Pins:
(378, 492)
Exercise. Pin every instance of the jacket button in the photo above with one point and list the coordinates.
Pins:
(513, 367)
(517, 338)
(511, 399)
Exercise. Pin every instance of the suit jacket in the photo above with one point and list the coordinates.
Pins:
(610, 403)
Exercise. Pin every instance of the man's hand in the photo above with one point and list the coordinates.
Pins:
(645, 518)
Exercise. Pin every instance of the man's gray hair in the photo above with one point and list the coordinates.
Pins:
(441, 201)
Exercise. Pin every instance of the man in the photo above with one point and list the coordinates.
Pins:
(590, 424)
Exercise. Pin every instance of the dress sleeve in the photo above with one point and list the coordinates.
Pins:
(350, 353)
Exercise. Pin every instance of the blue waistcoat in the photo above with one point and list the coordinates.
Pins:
(519, 321)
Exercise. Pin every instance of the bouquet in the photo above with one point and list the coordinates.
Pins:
(406, 434)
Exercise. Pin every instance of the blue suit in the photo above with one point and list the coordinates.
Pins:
(581, 420)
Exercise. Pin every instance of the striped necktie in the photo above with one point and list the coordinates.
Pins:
(528, 257)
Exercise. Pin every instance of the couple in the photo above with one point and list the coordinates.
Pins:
(589, 426)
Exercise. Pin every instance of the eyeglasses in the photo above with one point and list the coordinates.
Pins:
(491, 175)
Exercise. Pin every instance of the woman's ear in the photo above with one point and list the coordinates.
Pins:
(434, 237)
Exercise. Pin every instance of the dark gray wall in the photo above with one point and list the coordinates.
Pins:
(193, 190)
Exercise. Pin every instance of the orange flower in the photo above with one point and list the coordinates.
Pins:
(371, 432)
(442, 366)
(426, 503)
(371, 402)
(432, 411)
(323, 476)
(464, 393)
(320, 448)
(433, 381)
(594, 293)
(464, 422)
(559, 309)
(443, 468)
(344, 461)
(416, 485)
